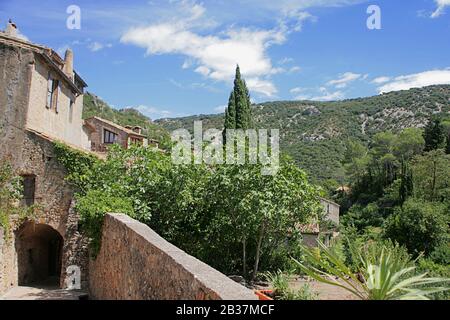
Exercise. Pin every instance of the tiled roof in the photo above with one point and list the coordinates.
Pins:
(310, 228)
(52, 139)
(50, 56)
(115, 125)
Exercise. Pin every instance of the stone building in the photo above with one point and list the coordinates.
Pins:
(311, 233)
(41, 101)
(331, 210)
(104, 133)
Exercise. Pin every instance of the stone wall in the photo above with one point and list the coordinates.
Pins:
(332, 210)
(310, 240)
(135, 263)
(33, 154)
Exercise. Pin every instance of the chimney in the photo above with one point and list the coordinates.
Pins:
(68, 64)
(11, 29)
(138, 130)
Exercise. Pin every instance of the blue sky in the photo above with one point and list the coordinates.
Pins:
(177, 57)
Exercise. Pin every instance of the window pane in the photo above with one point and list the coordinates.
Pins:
(49, 91)
(109, 137)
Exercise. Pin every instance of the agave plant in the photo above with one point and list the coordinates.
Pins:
(387, 278)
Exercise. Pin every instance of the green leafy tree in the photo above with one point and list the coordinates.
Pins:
(356, 159)
(407, 183)
(431, 176)
(410, 142)
(258, 213)
(434, 135)
(383, 143)
(228, 216)
(362, 217)
(419, 226)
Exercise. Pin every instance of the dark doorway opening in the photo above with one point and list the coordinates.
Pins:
(39, 253)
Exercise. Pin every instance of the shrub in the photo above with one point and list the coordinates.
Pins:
(419, 226)
(280, 285)
(92, 209)
(362, 217)
(441, 254)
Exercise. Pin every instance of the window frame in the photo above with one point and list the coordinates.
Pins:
(108, 133)
(53, 86)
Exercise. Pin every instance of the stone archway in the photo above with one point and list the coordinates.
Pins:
(39, 255)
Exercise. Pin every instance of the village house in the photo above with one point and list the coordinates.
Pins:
(311, 233)
(41, 101)
(55, 91)
(103, 133)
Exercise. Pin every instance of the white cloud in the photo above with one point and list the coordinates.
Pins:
(216, 55)
(295, 69)
(297, 90)
(295, 5)
(220, 109)
(285, 60)
(203, 71)
(322, 94)
(381, 80)
(442, 4)
(329, 96)
(265, 87)
(152, 112)
(417, 80)
(344, 79)
(97, 46)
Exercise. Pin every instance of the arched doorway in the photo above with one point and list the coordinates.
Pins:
(39, 255)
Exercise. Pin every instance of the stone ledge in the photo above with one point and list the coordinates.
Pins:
(136, 263)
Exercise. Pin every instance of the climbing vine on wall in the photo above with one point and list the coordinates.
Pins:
(94, 198)
(10, 196)
(78, 165)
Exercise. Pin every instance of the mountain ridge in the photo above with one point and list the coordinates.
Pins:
(314, 133)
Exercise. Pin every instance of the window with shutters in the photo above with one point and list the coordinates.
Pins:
(52, 93)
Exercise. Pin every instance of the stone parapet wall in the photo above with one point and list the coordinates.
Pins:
(135, 263)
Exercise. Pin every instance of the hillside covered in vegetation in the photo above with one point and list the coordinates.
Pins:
(315, 134)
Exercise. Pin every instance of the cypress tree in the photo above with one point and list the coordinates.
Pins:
(238, 113)
(230, 113)
(434, 135)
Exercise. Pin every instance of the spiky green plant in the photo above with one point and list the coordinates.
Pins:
(278, 281)
(387, 278)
